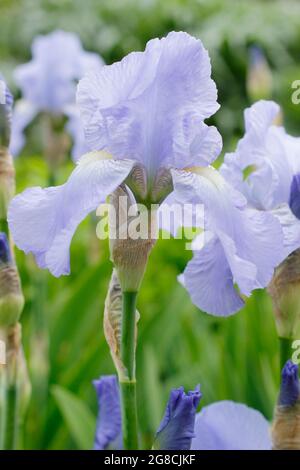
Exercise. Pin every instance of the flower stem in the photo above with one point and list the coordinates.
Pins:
(285, 350)
(128, 386)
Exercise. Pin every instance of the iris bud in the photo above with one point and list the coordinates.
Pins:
(130, 249)
(6, 103)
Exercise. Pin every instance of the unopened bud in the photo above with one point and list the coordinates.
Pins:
(286, 423)
(284, 290)
(132, 236)
(11, 297)
(113, 322)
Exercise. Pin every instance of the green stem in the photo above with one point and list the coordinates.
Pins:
(285, 350)
(128, 386)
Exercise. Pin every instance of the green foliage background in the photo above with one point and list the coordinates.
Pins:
(235, 358)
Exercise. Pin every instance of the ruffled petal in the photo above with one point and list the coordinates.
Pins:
(231, 426)
(75, 129)
(43, 221)
(109, 421)
(23, 114)
(150, 106)
(176, 429)
(243, 240)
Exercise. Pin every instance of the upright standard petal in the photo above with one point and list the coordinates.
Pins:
(231, 426)
(109, 422)
(176, 429)
(43, 221)
(261, 167)
(240, 249)
(151, 105)
(290, 385)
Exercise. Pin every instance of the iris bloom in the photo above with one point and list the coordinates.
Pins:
(224, 425)
(144, 119)
(48, 84)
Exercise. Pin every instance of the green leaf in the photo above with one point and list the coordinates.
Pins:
(78, 417)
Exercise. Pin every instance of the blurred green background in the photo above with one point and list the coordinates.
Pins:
(235, 358)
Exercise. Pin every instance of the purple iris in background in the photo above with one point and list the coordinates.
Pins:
(221, 426)
(48, 84)
(264, 168)
(176, 429)
(143, 118)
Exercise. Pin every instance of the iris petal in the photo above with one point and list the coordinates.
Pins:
(109, 422)
(290, 385)
(48, 80)
(242, 240)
